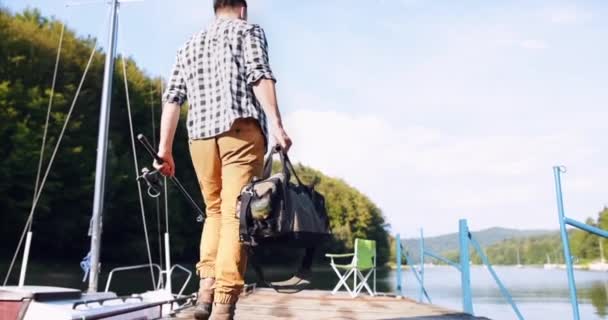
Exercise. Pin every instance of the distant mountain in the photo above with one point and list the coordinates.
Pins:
(487, 237)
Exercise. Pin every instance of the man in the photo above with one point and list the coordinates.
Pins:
(224, 74)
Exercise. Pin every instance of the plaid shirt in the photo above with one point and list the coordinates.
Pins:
(214, 72)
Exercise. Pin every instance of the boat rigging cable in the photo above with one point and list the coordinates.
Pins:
(141, 200)
(48, 115)
(30, 218)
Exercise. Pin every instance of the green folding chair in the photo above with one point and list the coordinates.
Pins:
(362, 266)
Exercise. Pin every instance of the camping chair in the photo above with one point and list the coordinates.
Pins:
(364, 261)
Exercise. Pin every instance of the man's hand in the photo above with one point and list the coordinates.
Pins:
(168, 166)
(281, 138)
(168, 124)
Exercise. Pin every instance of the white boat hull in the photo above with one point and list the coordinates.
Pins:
(35, 303)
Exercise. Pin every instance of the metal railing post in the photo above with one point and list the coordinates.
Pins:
(565, 241)
(465, 271)
(421, 265)
(398, 254)
(169, 283)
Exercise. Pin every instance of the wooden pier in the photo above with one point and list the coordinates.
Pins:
(266, 304)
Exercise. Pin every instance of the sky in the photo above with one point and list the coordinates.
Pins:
(437, 110)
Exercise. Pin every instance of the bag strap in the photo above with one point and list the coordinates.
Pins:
(291, 168)
(259, 272)
(267, 171)
(287, 166)
(244, 236)
(268, 162)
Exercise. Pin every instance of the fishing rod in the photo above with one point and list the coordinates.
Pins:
(154, 183)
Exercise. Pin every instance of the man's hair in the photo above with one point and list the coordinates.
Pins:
(219, 4)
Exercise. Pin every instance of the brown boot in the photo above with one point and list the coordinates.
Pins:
(223, 311)
(204, 302)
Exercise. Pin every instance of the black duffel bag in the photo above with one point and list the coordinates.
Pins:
(273, 210)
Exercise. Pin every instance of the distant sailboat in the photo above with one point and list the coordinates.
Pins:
(518, 260)
(549, 265)
(602, 265)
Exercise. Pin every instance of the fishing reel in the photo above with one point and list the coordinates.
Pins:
(153, 180)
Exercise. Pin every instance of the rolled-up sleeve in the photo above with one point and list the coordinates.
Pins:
(257, 65)
(176, 91)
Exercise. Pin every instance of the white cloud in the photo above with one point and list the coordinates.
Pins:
(568, 15)
(505, 38)
(341, 143)
(421, 175)
(533, 44)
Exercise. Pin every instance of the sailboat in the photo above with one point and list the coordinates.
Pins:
(549, 265)
(602, 265)
(519, 265)
(26, 302)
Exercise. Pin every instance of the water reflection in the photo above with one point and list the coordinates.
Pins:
(598, 294)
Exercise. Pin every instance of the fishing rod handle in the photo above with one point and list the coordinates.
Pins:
(180, 187)
(149, 148)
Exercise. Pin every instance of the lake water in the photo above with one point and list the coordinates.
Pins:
(539, 293)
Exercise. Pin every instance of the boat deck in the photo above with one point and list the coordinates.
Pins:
(315, 304)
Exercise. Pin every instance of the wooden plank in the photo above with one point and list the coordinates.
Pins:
(315, 304)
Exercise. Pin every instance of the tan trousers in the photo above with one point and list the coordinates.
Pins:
(224, 165)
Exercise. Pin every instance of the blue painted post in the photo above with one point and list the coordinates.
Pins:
(421, 265)
(398, 254)
(565, 242)
(465, 271)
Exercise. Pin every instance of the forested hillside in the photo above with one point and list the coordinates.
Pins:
(28, 46)
(486, 238)
(585, 246)
(541, 249)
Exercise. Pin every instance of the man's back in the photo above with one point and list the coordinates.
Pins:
(214, 71)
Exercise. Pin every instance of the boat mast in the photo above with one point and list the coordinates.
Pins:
(102, 148)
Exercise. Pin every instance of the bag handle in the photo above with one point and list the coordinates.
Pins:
(268, 165)
(286, 165)
(291, 168)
